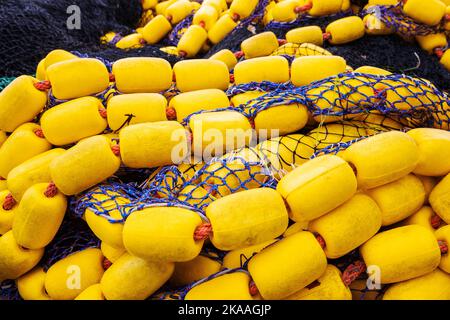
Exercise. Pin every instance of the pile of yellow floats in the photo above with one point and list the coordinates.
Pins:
(213, 20)
(385, 197)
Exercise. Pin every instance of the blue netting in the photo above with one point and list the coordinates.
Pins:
(9, 291)
(394, 17)
(73, 235)
(177, 32)
(346, 95)
(5, 81)
(180, 294)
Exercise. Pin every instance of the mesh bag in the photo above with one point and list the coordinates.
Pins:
(414, 101)
(393, 17)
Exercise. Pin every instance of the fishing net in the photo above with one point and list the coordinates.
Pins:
(4, 81)
(9, 291)
(74, 235)
(30, 30)
(414, 101)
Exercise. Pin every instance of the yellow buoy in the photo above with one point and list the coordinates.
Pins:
(328, 287)
(221, 28)
(74, 120)
(148, 145)
(191, 41)
(163, 234)
(78, 78)
(132, 278)
(432, 286)
(142, 75)
(98, 162)
(238, 257)
(247, 218)
(308, 69)
(428, 12)
(8, 211)
(399, 199)
(15, 260)
(194, 270)
(20, 102)
(198, 74)
(70, 276)
(430, 143)
(345, 30)
(227, 57)
(111, 253)
(288, 266)
(31, 285)
(128, 109)
(260, 45)
(317, 187)
(156, 29)
(423, 217)
(32, 171)
(216, 133)
(360, 216)
(39, 216)
(273, 68)
(308, 34)
(382, 158)
(93, 292)
(187, 103)
(402, 253)
(440, 199)
(241, 9)
(26, 142)
(231, 286)
(443, 235)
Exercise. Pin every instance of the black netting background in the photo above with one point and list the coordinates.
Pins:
(30, 29)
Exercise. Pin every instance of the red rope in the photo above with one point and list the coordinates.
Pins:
(447, 17)
(436, 221)
(39, 133)
(116, 150)
(51, 190)
(439, 52)
(282, 42)
(106, 264)
(353, 271)
(321, 241)
(236, 17)
(253, 288)
(9, 202)
(326, 36)
(202, 232)
(303, 8)
(171, 113)
(202, 24)
(231, 78)
(112, 77)
(252, 123)
(239, 54)
(182, 54)
(43, 85)
(103, 113)
(443, 246)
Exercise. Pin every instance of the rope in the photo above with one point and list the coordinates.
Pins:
(353, 271)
